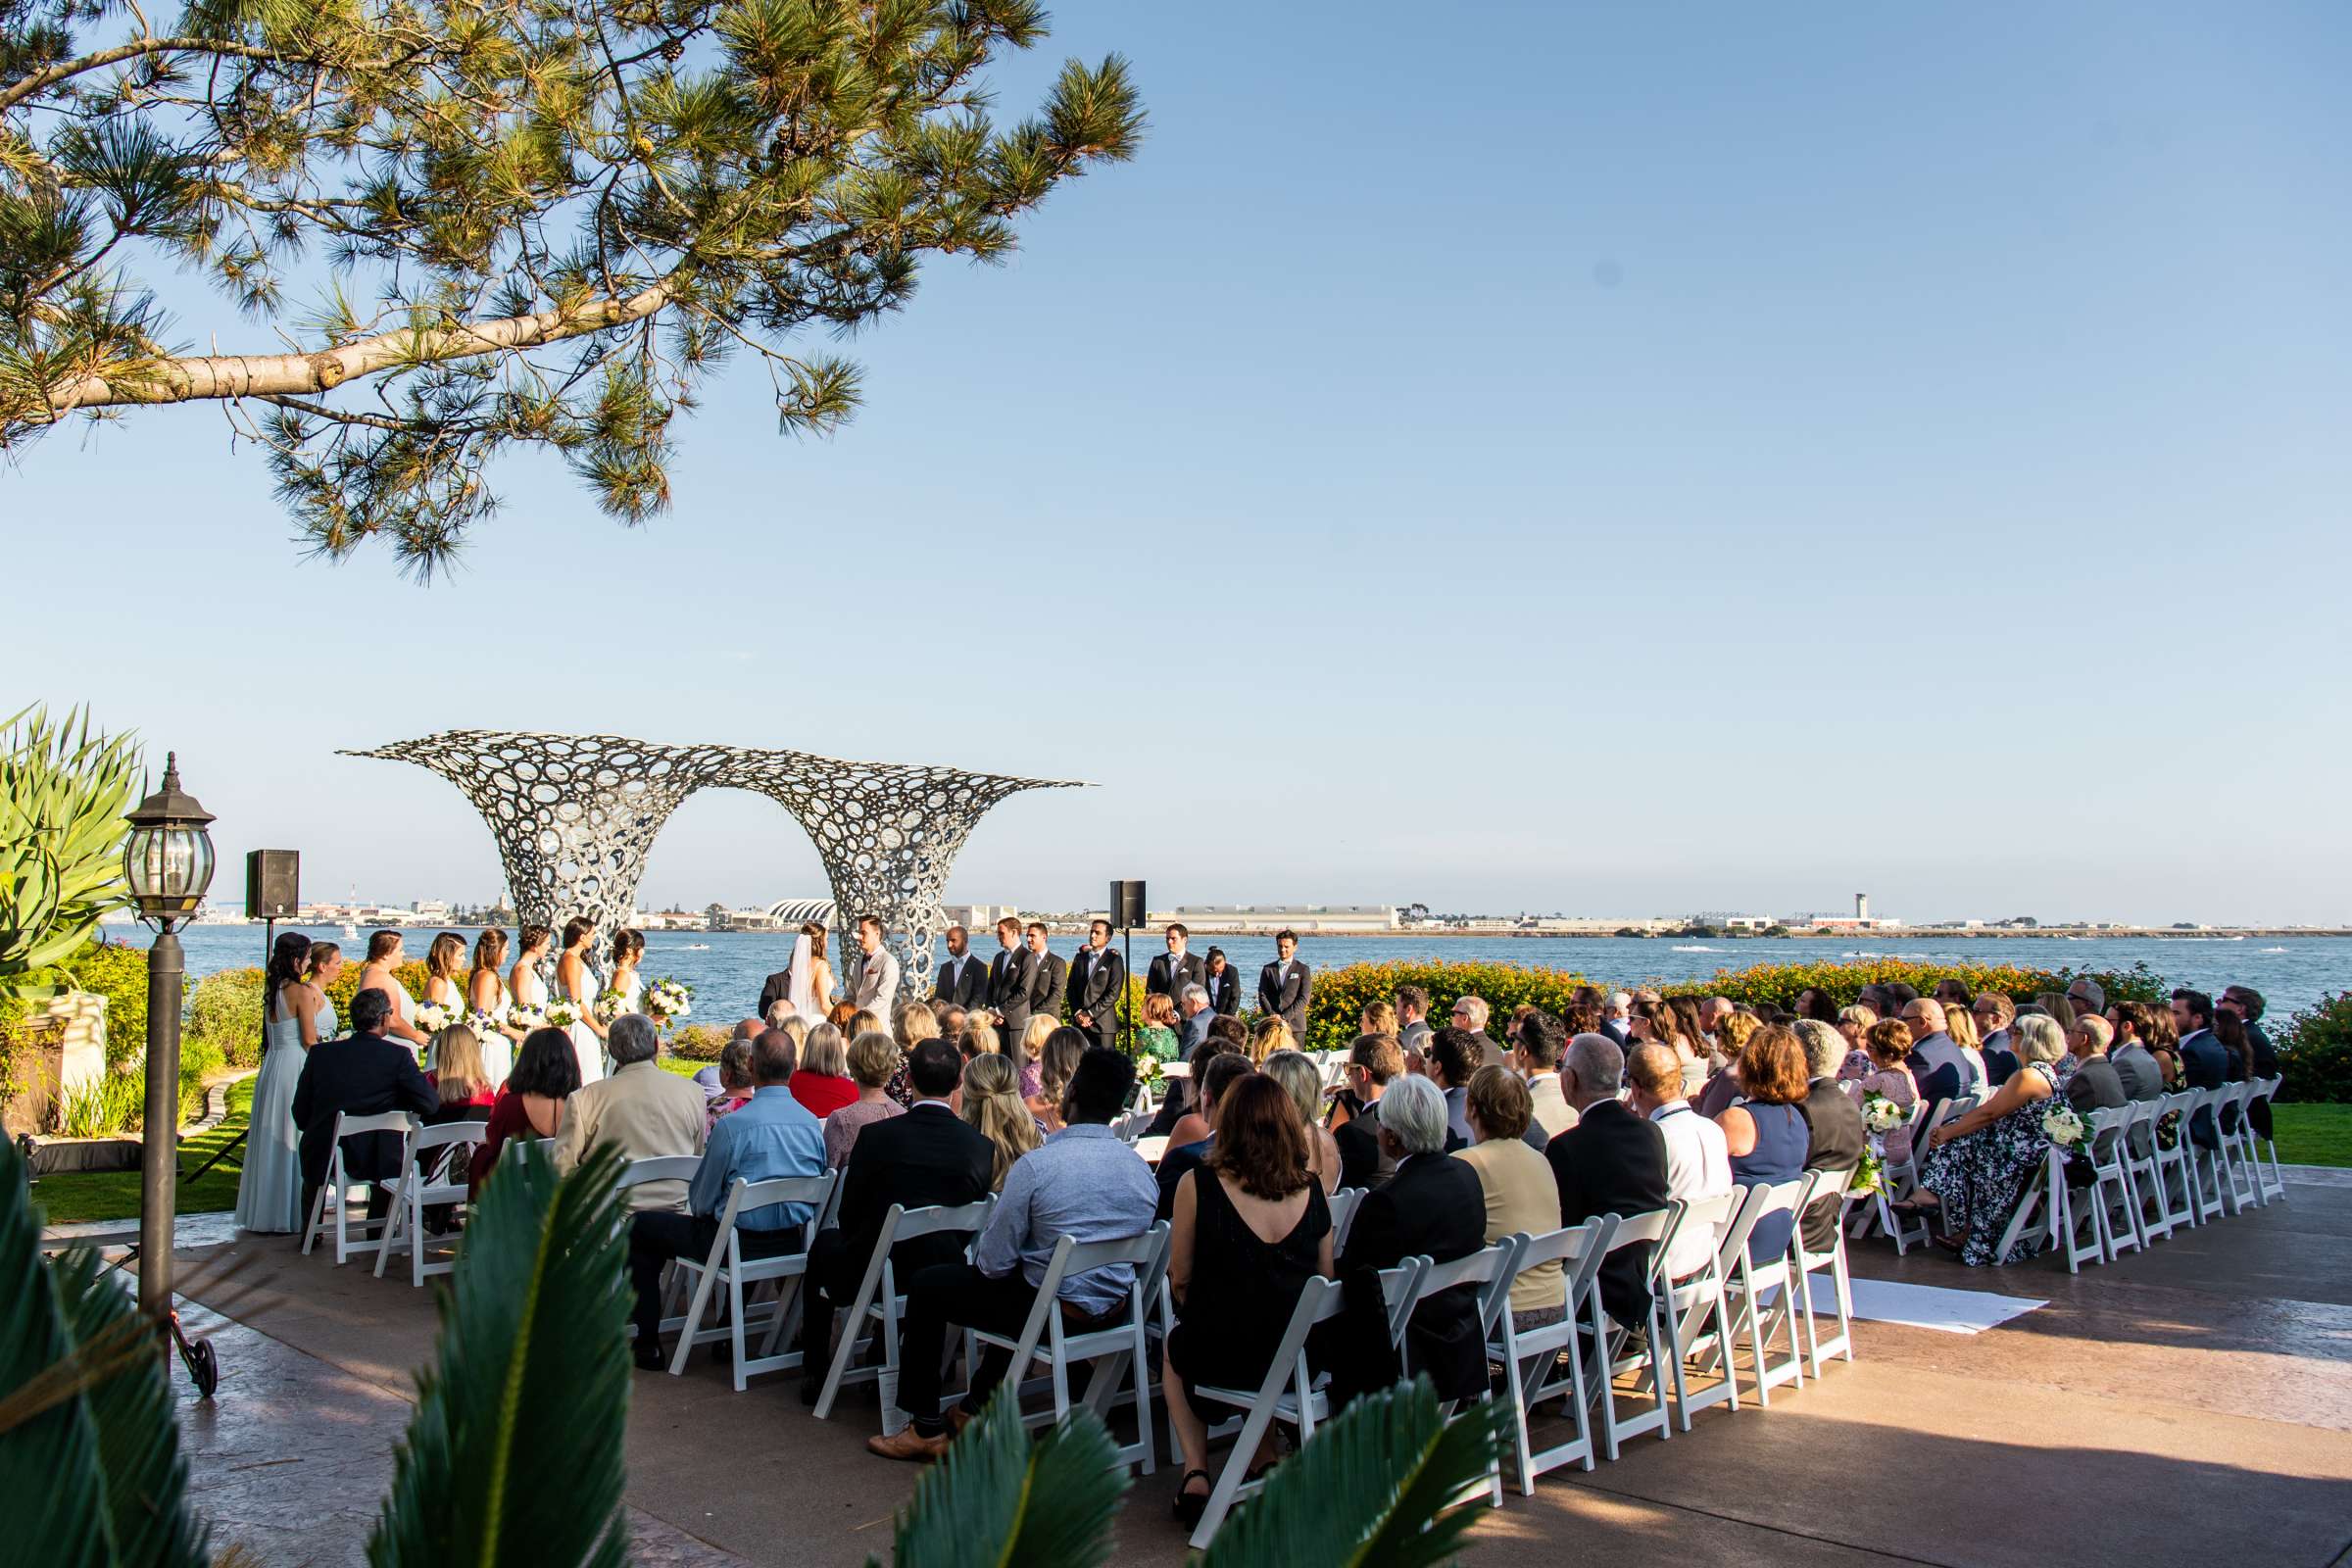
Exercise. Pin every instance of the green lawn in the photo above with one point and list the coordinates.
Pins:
(115, 1193)
(2314, 1134)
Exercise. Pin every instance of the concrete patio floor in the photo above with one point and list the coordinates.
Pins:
(2191, 1407)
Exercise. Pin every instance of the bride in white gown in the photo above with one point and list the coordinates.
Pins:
(809, 991)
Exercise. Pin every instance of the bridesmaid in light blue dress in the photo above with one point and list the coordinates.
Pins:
(298, 1016)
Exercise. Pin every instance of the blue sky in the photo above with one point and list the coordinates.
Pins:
(1608, 459)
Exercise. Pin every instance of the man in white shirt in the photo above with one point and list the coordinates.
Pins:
(1698, 1163)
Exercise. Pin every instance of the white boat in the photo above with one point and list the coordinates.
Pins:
(696, 946)
(350, 932)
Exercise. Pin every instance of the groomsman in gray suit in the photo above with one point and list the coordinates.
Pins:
(1285, 986)
(877, 988)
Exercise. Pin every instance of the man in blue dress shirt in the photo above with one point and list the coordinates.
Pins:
(770, 1135)
(1083, 1182)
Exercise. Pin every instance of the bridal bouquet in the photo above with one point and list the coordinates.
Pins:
(667, 999)
(484, 1025)
(1882, 1115)
(431, 1017)
(1870, 1176)
(525, 1018)
(2065, 1128)
(610, 1005)
(561, 1014)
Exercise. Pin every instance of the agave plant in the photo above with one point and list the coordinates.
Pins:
(62, 791)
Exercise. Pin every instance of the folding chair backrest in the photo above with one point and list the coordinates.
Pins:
(390, 1121)
(1712, 1216)
(1342, 1205)
(2106, 1130)
(745, 1196)
(658, 1169)
(1761, 1203)
(1657, 1228)
(1084, 1257)
(1490, 1267)
(937, 1221)
(1398, 1295)
(446, 1136)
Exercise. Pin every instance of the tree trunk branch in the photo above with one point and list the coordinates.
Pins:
(16, 93)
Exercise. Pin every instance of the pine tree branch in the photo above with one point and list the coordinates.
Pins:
(16, 93)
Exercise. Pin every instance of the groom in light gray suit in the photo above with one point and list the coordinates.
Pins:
(877, 985)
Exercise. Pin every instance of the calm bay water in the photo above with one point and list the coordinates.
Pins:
(726, 968)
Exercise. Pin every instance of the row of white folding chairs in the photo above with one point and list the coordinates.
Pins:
(433, 1172)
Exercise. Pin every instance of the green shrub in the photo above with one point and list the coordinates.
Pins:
(700, 1042)
(224, 1011)
(111, 1102)
(2315, 1052)
(117, 971)
(1780, 984)
(199, 1060)
(1341, 995)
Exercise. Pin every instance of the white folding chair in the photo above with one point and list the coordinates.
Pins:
(1344, 1205)
(335, 1192)
(1534, 1369)
(2261, 1151)
(434, 1169)
(2147, 1174)
(2114, 1189)
(1133, 1124)
(1828, 1186)
(1490, 1270)
(1746, 1277)
(1695, 1302)
(658, 1169)
(1913, 1232)
(1291, 1392)
(2208, 1186)
(728, 1266)
(2242, 1180)
(1897, 1179)
(1654, 1362)
(880, 1301)
(1045, 1338)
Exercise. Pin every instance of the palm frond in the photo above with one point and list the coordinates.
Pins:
(514, 1452)
(999, 1497)
(1372, 1488)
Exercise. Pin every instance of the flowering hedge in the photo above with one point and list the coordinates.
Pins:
(2315, 1051)
(1342, 994)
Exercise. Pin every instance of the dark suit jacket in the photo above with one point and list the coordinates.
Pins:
(1224, 991)
(1616, 1029)
(1432, 1207)
(1288, 996)
(970, 982)
(1191, 970)
(1414, 1036)
(1098, 980)
(1999, 1067)
(777, 986)
(929, 1157)
(1193, 1032)
(1011, 979)
(1359, 1152)
(1613, 1162)
(2265, 1065)
(2204, 1064)
(2095, 1085)
(364, 1075)
(1833, 1141)
(1048, 981)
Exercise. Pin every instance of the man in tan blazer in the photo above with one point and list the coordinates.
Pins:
(645, 1111)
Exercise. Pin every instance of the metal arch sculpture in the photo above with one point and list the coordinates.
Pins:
(574, 816)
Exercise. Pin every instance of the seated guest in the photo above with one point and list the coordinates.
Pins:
(1432, 1208)
(1374, 1062)
(1723, 1083)
(842, 1015)
(1963, 1029)
(1189, 1145)
(1542, 1039)
(1612, 1162)
(363, 1074)
(748, 1030)
(772, 1137)
(953, 1018)
(1182, 1094)
(1520, 1193)
(871, 1058)
(1889, 1047)
(1155, 1030)
(1031, 1056)
(1834, 1141)
(980, 1038)
(1470, 1015)
(2204, 1064)
(1082, 1183)
(2163, 1039)
(913, 1023)
(991, 1105)
(2134, 1066)
(2245, 1005)
(2094, 1084)
(1942, 1071)
(735, 1083)
(925, 1157)
(1302, 1081)
(1056, 1064)
(1764, 1130)
(1377, 1018)
(1978, 1167)
(1198, 1016)
(1267, 1036)
(821, 1081)
(1855, 1024)
(640, 1110)
(460, 1078)
(546, 1075)
(1699, 1165)
(1993, 1013)
(1249, 1229)
(1454, 1053)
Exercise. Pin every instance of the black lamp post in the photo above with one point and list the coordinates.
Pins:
(169, 864)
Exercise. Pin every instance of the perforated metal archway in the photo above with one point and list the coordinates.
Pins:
(575, 814)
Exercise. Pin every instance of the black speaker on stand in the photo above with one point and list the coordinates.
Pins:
(273, 892)
(1127, 913)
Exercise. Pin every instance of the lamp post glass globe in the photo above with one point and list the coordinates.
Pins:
(167, 863)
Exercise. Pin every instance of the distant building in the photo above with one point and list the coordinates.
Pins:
(1261, 917)
(979, 916)
(1724, 920)
(790, 915)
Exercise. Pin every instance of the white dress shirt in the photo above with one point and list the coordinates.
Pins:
(1699, 1165)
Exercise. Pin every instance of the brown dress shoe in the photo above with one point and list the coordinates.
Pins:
(907, 1444)
(958, 1419)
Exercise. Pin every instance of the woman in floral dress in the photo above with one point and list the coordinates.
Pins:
(1978, 1166)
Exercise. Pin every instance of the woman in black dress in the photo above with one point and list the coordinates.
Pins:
(1250, 1228)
